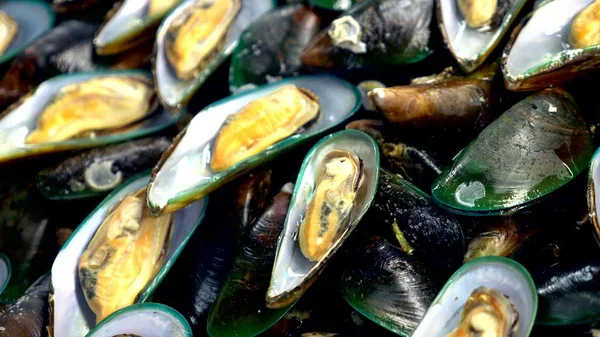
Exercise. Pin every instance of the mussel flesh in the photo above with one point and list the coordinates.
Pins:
(262, 123)
(338, 180)
(197, 35)
(481, 13)
(487, 312)
(126, 252)
(8, 31)
(160, 7)
(585, 29)
(98, 104)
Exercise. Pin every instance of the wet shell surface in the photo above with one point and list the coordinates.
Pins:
(72, 315)
(184, 173)
(5, 271)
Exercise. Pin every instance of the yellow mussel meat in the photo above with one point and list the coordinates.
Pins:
(478, 13)
(161, 7)
(108, 102)
(487, 312)
(328, 213)
(262, 123)
(198, 34)
(585, 30)
(127, 251)
(8, 31)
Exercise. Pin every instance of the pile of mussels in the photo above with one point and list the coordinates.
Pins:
(239, 168)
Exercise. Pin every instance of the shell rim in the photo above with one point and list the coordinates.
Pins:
(154, 306)
(5, 258)
(26, 151)
(52, 19)
(321, 264)
(470, 65)
(253, 161)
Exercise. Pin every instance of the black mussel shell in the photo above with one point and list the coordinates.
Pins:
(28, 316)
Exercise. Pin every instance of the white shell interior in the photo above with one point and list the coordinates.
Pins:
(443, 315)
(4, 272)
(188, 166)
(595, 175)
(544, 36)
(32, 18)
(468, 44)
(72, 316)
(22, 119)
(172, 90)
(291, 267)
(145, 321)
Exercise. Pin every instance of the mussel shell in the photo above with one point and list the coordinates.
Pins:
(569, 293)
(5, 271)
(240, 309)
(388, 286)
(203, 266)
(593, 198)
(33, 18)
(75, 6)
(434, 234)
(28, 316)
(64, 49)
(270, 47)
(100, 170)
(532, 149)
(391, 32)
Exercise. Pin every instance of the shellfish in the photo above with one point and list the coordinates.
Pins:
(8, 31)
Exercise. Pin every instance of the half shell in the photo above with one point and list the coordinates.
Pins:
(72, 316)
(5, 271)
(348, 157)
(594, 193)
(22, 117)
(502, 274)
(184, 173)
(176, 85)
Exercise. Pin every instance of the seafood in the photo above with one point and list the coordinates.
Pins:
(197, 36)
(97, 104)
(270, 48)
(8, 31)
(496, 296)
(539, 156)
(74, 6)
(585, 29)
(347, 157)
(593, 195)
(262, 123)
(126, 252)
(487, 311)
(193, 148)
(100, 170)
(27, 317)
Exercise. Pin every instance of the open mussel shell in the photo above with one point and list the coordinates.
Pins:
(144, 319)
(539, 54)
(301, 253)
(531, 150)
(471, 46)
(191, 153)
(594, 193)
(72, 315)
(22, 117)
(499, 273)
(175, 92)
(32, 17)
(270, 48)
(27, 317)
(100, 170)
(134, 22)
(5, 271)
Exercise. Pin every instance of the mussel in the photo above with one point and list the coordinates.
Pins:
(239, 133)
(8, 31)
(335, 187)
(28, 316)
(593, 196)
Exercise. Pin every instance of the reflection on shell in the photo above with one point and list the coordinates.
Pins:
(8, 31)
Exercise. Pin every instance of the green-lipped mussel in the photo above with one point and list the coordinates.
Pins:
(474, 28)
(335, 187)
(194, 39)
(78, 111)
(375, 34)
(191, 168)
(556, 43)
(21, 22)
(134, 22)
(532, 149)
(72, 315)
(489, 296)
(99, 171)
(240, 308)
(270, 47)
(28, 316)
(5, 272)
(593, 197)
